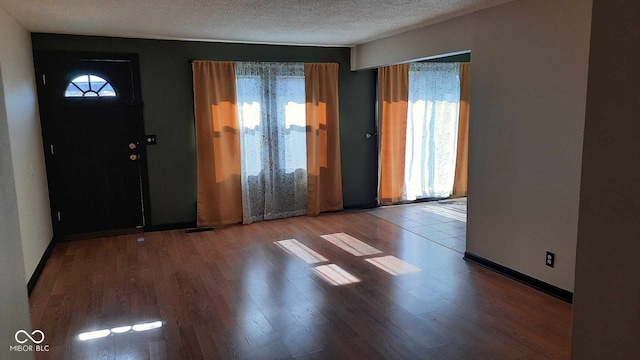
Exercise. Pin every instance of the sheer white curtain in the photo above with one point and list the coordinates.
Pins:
(432, 128)
(271, 108)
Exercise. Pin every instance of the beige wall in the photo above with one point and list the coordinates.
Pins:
(26, 140)
(528, 95)
(14, 306)
(455, 35)
(606, 312)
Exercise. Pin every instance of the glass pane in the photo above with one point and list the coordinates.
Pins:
(290, 99)
(248, 88)
(73, 91)
(82, 78)
(96, 82)
(83, 85)
(82, 82)
(295, 114)
(91, 94)
(107, 90)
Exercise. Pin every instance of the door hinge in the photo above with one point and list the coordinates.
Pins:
(44, 79)
(52, 152)
(59, 216)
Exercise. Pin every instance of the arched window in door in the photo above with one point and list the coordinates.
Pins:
(89, 85)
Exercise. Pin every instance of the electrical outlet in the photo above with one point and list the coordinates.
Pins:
(550, 259)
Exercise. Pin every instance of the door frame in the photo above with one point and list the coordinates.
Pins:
(42, 61)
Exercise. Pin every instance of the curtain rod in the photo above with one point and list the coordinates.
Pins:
(305, 62)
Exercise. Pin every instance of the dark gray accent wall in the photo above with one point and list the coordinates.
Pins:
(168, 112)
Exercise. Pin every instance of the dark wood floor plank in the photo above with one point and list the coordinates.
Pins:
(233, 293)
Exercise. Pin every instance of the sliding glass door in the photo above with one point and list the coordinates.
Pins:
(432, 130)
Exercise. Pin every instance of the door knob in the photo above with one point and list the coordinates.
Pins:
(133, 157)
(132, 146)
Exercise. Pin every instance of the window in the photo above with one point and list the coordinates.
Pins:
(271, 111)
(89, 86)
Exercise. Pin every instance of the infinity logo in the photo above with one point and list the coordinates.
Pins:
(29, 336)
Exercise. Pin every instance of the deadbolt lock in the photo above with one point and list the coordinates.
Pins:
(132, 146)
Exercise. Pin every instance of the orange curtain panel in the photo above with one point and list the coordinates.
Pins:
(217, 143)
(323, 138)
(461, 180)
(393, 95)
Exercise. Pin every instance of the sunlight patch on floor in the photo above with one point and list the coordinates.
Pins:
(393, 265)
(350, 244)
(335, 275)
(294, 247)
(97, 334)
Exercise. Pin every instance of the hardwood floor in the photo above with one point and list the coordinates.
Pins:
(235, 293)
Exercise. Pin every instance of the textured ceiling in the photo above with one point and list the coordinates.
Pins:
(320, 22)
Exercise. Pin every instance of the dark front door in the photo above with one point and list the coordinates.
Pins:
(93, 120)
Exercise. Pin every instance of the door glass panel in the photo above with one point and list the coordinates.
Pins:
(89, 85)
